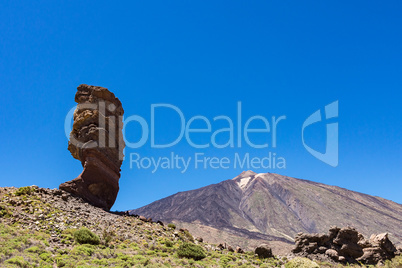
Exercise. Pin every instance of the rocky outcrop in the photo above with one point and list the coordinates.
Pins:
(97, 141)
(345, 245)
(263, 251)
(377, 249)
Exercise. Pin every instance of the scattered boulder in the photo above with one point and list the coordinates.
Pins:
(221, 247)
(64, 197)
(230, 249)
(97, 141)
(344, 245)
(199, 239)
(239, 250)
(263, 251)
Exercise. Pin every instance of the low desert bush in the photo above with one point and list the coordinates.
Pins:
(169, 243)
(191, 251)
(27, 190)
(85, 236)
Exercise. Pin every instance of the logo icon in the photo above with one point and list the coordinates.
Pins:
(330, 156)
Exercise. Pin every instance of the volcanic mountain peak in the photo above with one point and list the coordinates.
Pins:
(268, 206)
(245, 174)
(249, 179)
(244, 179)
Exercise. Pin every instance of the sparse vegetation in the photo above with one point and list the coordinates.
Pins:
(171, 225)
(188, 235)
(34, 241)
(301, 263)
(19, 261)
(27, 190)
(107, 237)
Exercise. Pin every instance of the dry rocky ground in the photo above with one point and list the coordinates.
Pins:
(38, 228)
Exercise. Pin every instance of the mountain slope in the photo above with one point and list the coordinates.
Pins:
(274, 207)
(45, 228)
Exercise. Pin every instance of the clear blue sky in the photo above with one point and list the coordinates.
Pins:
(277, 57)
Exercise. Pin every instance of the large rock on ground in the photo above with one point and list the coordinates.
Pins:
(379, 248)
(97, 141)
(345, 245)
(263, 251)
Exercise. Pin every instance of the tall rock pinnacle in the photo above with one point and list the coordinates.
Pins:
(97, 141)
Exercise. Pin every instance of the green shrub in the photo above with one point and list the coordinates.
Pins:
(45, 256)
(191, 251)
(61, 261)
(188, 235)
(18, 261)
(27, 190)
(87, 250)
(150, 252)
(224, 261)
(34, 249)
(169, 243)
(301, 263)
(4, 212)
(85, 236)
(171, 225)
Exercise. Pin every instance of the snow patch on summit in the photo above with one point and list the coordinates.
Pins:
(243, 182)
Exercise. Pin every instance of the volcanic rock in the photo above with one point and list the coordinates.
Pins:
(345, 245)
(380, 249)
(263, 251)
(97, 141)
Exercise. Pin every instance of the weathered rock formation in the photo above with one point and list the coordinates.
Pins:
(97, 141)
(345, 245)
